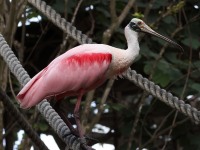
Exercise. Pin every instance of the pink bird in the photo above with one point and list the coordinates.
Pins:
(84, 68)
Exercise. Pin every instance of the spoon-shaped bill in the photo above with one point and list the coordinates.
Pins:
(147, 29)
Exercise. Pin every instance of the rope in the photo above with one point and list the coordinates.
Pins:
(144, 83)
(22, 121)
(44, 107)
(60, 22)
(163, 95)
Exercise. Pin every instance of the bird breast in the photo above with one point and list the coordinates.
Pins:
(121, 61)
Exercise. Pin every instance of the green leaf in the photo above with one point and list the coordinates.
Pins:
(138, 15)
(117, 107)
(196, 86)
(161, 78)
(43, 126)
(164, 72)
(145, 51)
(148, 67)
(169, 20)
(104, 11)
(191, 42)
(158, 4)
(190, 141)
(172, 58)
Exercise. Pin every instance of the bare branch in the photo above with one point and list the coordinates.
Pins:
(108, 33)
(113, 11)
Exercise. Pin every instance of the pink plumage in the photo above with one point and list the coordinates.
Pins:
(78, 70)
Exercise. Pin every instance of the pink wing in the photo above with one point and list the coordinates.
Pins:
(66, 76)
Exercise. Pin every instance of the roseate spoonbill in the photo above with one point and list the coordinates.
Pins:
(83, 68)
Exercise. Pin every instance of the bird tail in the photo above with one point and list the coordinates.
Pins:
(29, 95)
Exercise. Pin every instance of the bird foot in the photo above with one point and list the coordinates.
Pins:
(83, 141)
(84, 145)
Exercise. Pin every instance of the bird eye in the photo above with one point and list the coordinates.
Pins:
(134, 27)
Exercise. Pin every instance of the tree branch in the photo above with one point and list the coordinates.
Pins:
(109, 32)
(113, 11)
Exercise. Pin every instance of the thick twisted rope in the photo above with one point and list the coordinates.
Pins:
(22, 121)
(144, 83)
(163, 95)
(44, 107)
(60, 22)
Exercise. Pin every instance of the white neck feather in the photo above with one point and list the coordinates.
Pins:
(132, 41)
(122, 59)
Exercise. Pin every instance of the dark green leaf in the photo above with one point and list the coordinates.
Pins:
(191, 42)
(196, 86)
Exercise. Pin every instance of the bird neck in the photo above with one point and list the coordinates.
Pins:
(132, 42)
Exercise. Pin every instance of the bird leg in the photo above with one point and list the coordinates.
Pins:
(77, 117)
(78, 123)
(63, 116)
(65, 119)
(79, 133)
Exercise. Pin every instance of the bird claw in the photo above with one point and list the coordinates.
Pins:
(84, 145)
(83, 142)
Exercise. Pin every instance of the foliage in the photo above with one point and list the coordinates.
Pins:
(158, 125)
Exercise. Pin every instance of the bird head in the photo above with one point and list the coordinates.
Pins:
(138, 25)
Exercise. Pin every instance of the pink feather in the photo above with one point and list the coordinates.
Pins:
(80, 69)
